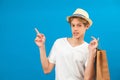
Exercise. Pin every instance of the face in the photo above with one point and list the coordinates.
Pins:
(78, 28)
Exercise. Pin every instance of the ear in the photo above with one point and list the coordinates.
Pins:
(87, 27)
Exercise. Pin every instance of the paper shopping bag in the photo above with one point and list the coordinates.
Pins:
(102, 69)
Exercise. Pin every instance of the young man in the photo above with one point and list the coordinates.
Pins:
(73, 58)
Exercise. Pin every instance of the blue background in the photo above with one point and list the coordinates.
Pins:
(19, 55)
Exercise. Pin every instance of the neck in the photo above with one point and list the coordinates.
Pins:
(78, 40)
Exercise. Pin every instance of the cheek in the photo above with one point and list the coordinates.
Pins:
(82, 31)
(72, 29)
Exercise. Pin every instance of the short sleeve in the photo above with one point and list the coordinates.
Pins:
(52, 55)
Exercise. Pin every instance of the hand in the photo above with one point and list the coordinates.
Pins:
(93, 46)
(40, 39)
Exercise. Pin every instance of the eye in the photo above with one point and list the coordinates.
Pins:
(79, 25)
(72, 25)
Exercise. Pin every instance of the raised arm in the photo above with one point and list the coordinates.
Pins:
(40, 42)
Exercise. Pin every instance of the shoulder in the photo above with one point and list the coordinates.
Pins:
(86, 43)
(60, 39)
(85, 46)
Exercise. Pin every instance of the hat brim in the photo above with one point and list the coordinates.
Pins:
(89, 20)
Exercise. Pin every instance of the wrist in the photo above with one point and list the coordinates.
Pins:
(93, 50)
(42, 46)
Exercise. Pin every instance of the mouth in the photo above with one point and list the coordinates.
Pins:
(75, 33)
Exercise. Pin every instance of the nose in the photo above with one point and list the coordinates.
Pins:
(75, 28)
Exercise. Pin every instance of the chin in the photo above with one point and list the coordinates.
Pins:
(76, 37)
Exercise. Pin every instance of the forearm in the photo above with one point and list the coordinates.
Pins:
(90, 69)
(43, 58)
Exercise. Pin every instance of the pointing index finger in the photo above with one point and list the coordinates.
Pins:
(95, 38)
(98, 39)
(37, 31)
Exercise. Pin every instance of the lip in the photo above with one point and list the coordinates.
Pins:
(75, 33)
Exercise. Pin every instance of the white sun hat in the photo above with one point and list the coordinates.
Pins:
(81, 13)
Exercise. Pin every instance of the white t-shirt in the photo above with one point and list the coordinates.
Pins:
(69, 61)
